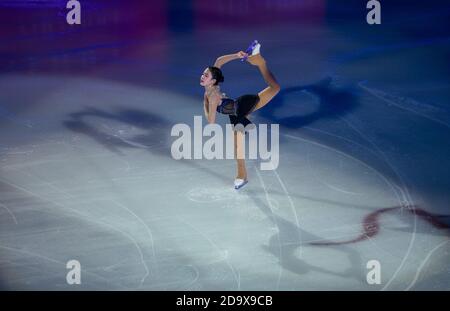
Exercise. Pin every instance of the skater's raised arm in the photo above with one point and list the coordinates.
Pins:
(222, 60)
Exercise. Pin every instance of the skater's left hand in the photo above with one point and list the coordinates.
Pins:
(241, 54)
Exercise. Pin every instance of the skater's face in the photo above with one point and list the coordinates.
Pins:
(206, 79)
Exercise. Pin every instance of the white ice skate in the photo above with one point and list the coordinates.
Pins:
(253, 49)
(256, 49)
(239, 183)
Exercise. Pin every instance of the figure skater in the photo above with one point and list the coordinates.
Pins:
(239, 109)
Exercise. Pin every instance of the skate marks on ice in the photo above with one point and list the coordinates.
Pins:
(224, 197)
(433, 113)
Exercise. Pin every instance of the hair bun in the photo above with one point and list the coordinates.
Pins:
(216, 74)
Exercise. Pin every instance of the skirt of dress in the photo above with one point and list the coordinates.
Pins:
(244, 106)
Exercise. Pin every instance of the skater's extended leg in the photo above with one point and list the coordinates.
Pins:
(273, 88)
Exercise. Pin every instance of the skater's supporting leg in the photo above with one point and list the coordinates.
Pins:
(239, 154)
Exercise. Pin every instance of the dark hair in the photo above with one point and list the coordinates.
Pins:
(216, 74)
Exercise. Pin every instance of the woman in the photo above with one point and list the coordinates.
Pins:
(238, 110)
